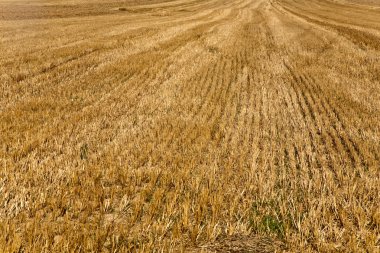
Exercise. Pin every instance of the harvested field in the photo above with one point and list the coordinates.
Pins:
(189, 126)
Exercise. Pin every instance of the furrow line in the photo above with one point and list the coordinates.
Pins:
(306, 116)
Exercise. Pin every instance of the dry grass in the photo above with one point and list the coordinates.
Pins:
(189, 126)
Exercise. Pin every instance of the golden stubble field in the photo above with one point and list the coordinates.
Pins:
(189, 126)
